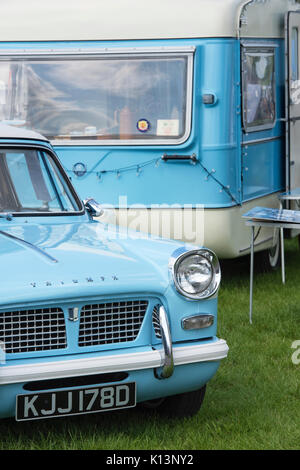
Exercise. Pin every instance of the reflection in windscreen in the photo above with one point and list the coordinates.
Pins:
(30, 182)
(107, 98)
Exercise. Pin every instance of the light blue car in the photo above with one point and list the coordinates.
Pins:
(94, 317)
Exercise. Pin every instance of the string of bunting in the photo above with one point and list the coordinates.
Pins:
(224, 188)
(138, 168)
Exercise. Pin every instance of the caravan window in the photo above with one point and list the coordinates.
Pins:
(112, 97)
(258, 88)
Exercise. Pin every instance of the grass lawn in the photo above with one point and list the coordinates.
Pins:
(253, 402)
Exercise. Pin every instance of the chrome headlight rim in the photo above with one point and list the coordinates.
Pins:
(183, 253)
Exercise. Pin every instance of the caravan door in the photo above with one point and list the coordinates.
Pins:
(293, 99)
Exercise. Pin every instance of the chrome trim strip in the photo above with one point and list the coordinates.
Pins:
(261, 141)
(240, 12)
(286, 103)
(120, 143)
(29, 245)
(168, 361)
(91, 51)
(256, 244)
(266, 44)
(214, 351)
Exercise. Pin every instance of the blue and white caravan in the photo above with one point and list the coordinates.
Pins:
(168, 110)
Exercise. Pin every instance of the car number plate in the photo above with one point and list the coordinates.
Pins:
(76, 401)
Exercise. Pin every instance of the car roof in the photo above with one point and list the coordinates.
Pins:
(12, 132)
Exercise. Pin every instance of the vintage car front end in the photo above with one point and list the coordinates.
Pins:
(94, 317)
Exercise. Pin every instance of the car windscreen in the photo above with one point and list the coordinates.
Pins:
(116, 98)
(31, 182)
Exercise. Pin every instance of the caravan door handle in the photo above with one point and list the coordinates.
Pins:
(193, 158)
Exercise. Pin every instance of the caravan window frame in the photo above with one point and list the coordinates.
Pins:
(259, 48)
(186, 52)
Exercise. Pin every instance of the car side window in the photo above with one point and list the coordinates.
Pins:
(36, 184)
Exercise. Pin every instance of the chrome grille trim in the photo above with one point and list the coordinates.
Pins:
(31, 330)
(111, 322)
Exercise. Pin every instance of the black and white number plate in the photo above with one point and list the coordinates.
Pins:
(76, 401)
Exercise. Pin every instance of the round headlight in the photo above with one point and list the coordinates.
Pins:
(196, 274)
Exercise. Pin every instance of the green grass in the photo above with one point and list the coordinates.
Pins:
(253, 402)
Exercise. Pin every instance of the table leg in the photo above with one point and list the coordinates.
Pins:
(282, 256)
(251, 275)
(282, 249)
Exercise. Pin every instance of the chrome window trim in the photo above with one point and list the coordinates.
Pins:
(86, 53)
(71, 51)
(257, 47)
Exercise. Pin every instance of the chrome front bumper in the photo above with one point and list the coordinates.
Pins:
(10, 374)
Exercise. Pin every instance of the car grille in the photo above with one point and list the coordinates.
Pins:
(33, 330)
(113, 322)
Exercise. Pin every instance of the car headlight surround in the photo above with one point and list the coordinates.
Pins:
(196, 273)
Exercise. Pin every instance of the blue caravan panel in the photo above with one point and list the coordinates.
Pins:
(263, 168)
(145, 179)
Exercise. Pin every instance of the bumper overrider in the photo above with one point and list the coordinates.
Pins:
(164, 360)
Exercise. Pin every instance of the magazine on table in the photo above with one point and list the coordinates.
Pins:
(267, 214)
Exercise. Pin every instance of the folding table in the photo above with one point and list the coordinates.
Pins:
(285, 219)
